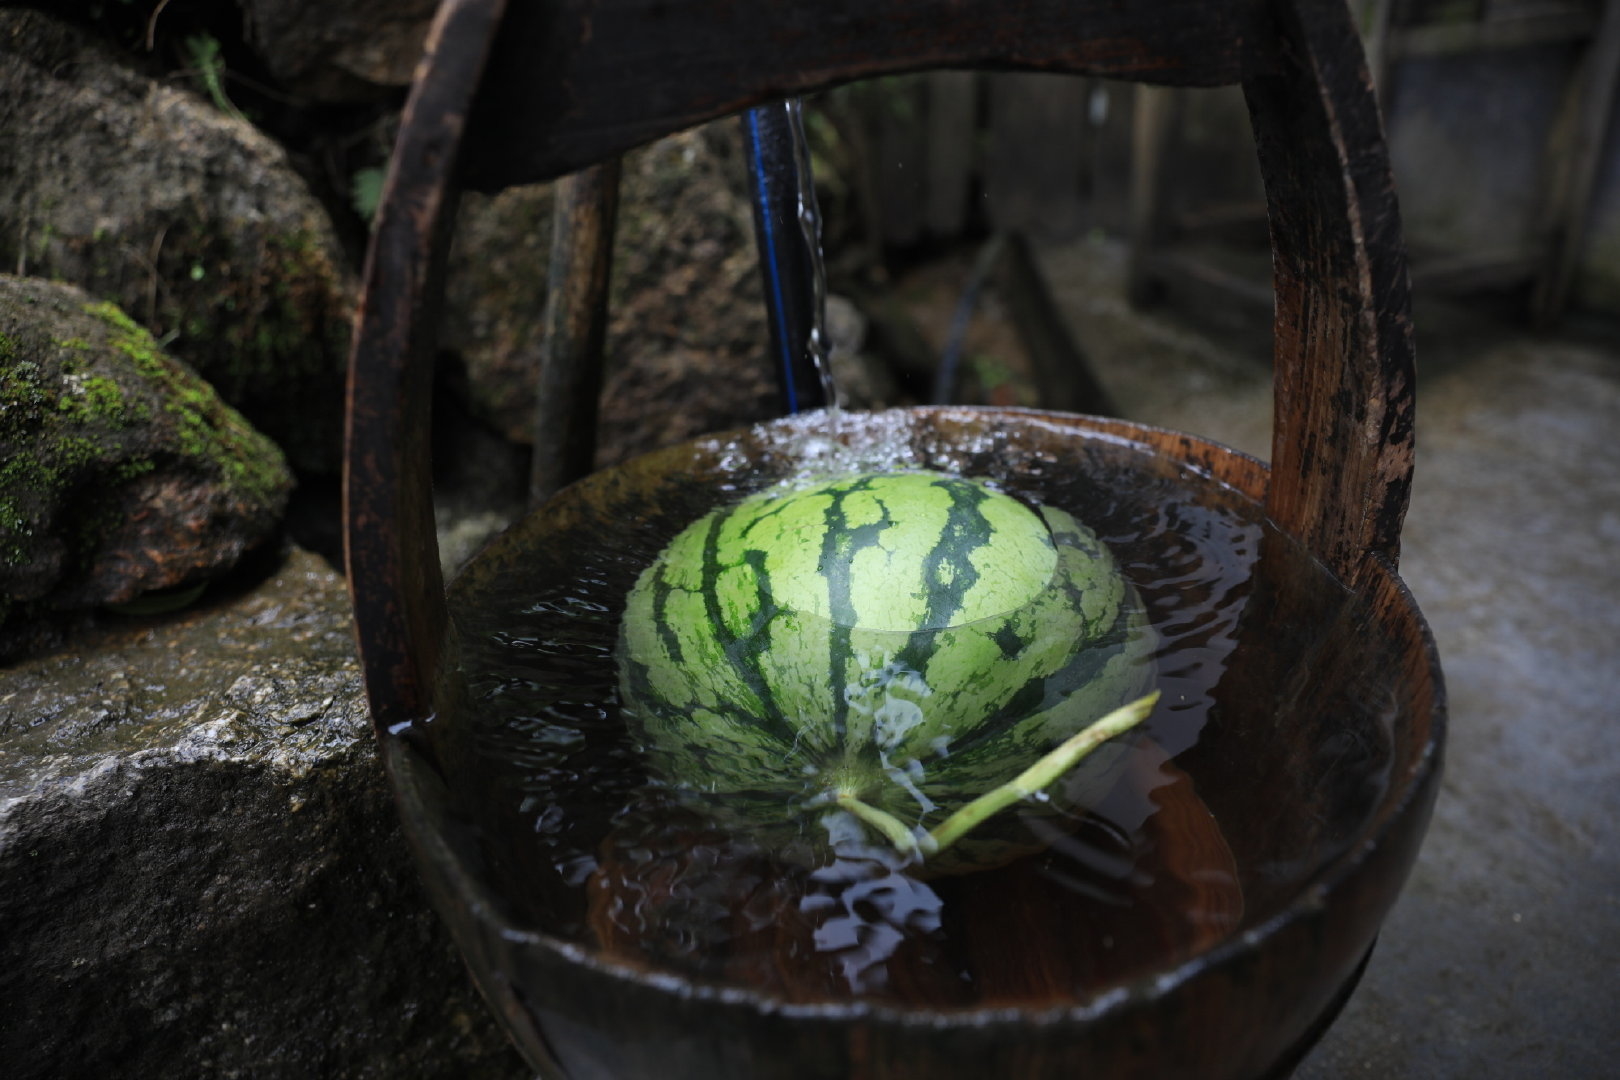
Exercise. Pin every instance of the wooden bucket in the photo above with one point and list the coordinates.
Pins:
(566, 84)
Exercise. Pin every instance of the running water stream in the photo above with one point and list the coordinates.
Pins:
(788, 226)
(809, 214)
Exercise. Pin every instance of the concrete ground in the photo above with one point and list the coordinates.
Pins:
(1502, 957)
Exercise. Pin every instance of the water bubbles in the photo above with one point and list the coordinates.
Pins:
(598, 855)
(866, 905)
(551, 819)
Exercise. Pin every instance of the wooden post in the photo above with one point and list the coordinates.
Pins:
(570, 380)
(953, 100)
(1570, 189)
(1156, 128)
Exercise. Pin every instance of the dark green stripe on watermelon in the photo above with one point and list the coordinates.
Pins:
(768, 710)
(949, 572)
(744, 648)
(839, 545)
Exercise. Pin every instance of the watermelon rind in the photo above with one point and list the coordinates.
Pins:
(912, 640)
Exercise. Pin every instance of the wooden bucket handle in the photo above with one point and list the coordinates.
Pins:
(570, 82)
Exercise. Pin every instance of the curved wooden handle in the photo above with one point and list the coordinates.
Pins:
(575, 81)
(390, 547)
(1341, 456)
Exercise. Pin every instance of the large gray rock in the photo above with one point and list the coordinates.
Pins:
(190, 219)
(339, 50)
(202, 871)
(121, 472)
(687, 342)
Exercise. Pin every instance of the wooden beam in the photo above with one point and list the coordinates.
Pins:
(1155, 133)
(570, 379)
(1443, 39)
(1569, 205)
(953, 121)
(572, 82)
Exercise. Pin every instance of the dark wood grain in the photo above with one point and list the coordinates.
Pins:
(576, 81)
(570, 380)
(1342, 437)
(390, 547)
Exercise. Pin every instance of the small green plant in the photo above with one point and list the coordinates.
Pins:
(204, 54)
(365, 190)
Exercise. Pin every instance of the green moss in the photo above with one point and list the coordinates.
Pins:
(21, 476)
(206, 429)
(96, 398)
(130, 470)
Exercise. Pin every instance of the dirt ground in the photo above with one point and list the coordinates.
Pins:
(1500, 958)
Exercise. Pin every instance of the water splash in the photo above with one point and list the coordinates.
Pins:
(809, 214)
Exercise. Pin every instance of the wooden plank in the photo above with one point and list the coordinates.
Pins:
(902, 158)
(1037, 153)
(576, 326)
(573, 82)
(1478, 271)
(1156, 129)
(1341, 462)
(1063, 377)
(1570, 191)
(392, 554)
(1229, 296)
(1519, 33)
(953, 101)
(1240, 217)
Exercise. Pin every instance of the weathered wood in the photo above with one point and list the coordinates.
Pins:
(1342, 437)
(1189, 276)
(391, 549)
(1155, 132)
(1240, 217)
(570, 382)
(1063, 377)
(577, 81)
(1569, 203)
(1239, 1007)
(953, 99)
(1338, 483)
(1037, 153)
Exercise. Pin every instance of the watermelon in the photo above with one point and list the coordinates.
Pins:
(895, 643)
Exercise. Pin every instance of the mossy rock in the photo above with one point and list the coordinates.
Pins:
(687, 340)
(122, 472)
(146, 194)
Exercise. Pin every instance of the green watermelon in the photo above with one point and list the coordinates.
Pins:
(899, 644)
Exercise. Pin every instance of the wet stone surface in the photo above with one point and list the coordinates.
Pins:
(204, 875)
(121, 472)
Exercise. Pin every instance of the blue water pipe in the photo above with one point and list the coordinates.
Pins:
(785, 261)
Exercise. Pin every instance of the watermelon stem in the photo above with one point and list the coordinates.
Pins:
(1029, 782)
(893, 829)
